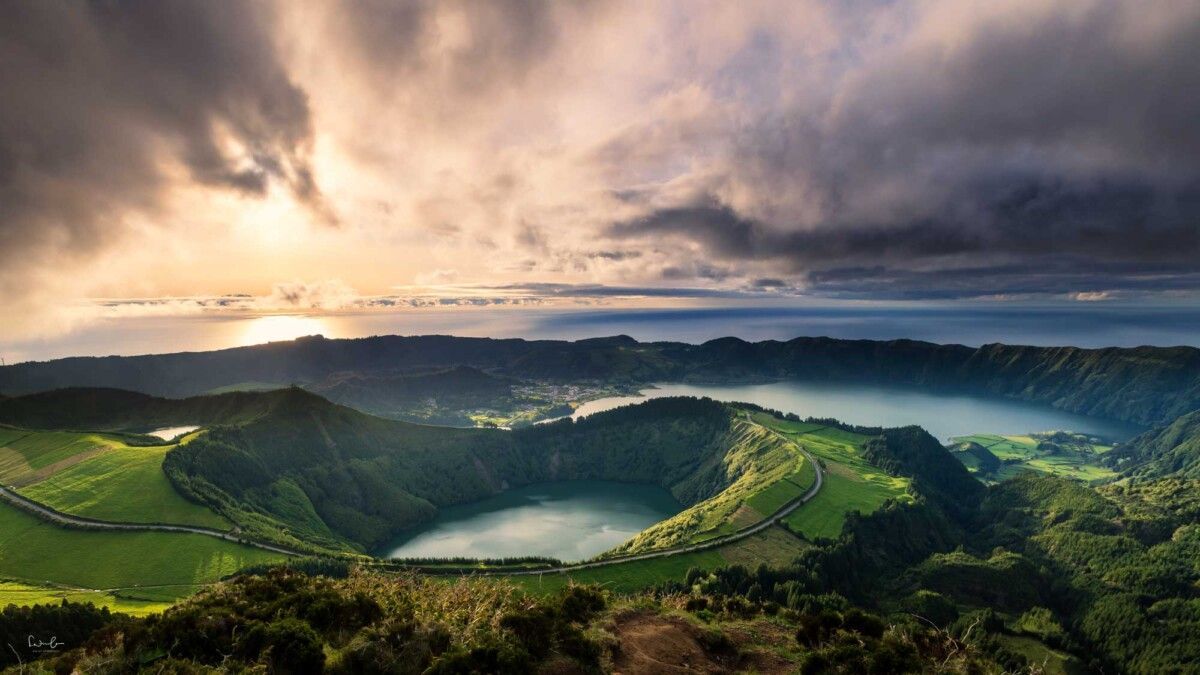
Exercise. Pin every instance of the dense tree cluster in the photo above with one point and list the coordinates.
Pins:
(27, 633)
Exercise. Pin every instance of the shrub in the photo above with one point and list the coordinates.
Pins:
(287, 645)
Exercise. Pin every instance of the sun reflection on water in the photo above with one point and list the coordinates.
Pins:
(281, 327)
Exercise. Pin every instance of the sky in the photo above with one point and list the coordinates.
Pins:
(168, 161)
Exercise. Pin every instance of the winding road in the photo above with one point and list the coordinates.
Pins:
(783, 512)
(58, 517)
(46, 513)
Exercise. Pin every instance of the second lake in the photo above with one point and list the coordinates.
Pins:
(941, 414)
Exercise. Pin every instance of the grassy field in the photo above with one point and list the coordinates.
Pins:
(16, 593)
(1021, 453)
(779, 493)
(27, 456)
(770, 472)
(120, 483)
(843, 492)
(144, 566)
(773, 546)
(851, 484)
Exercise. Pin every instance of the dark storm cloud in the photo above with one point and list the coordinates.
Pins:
(1062, 276)
(102, 99)
(1117, 222)
(728, 235)
(546, 290)
(1038, 132)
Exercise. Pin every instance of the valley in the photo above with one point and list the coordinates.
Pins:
(630, 493)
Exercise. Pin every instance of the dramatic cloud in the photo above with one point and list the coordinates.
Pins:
(1002, 144)
(105, 107)
(886, 150)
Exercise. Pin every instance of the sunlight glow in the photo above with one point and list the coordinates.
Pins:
(281, 327)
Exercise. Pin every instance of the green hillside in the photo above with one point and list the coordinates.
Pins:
(286, 622)
(297, 469)
(1171, 450)
(124, 484)
(338, 478)
(29, 456)
(852, 485)
(773, 546)
(128, 411)
(1032, 569)
(762, 475)
(440, 395)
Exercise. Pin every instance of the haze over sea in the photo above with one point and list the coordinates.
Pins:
(1077, 325)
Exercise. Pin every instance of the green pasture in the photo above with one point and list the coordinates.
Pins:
(1020, 453)
(851, 484)
(124, 484)
(24, 454)
(842, 493)
(153, 567)
(21, 594)
(776, 495)
(1051, 661)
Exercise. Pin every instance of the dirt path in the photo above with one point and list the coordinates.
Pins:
(657, 644)
(58, 517)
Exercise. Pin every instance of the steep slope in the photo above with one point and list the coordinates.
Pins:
(1171, 450)
(1146, 385)
(334, 476)
(913, 453)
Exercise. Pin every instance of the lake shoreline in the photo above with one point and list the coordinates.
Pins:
(567, 519)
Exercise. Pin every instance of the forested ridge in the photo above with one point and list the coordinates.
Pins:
(1173, 449)
(1145, 385)
(333, 476)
